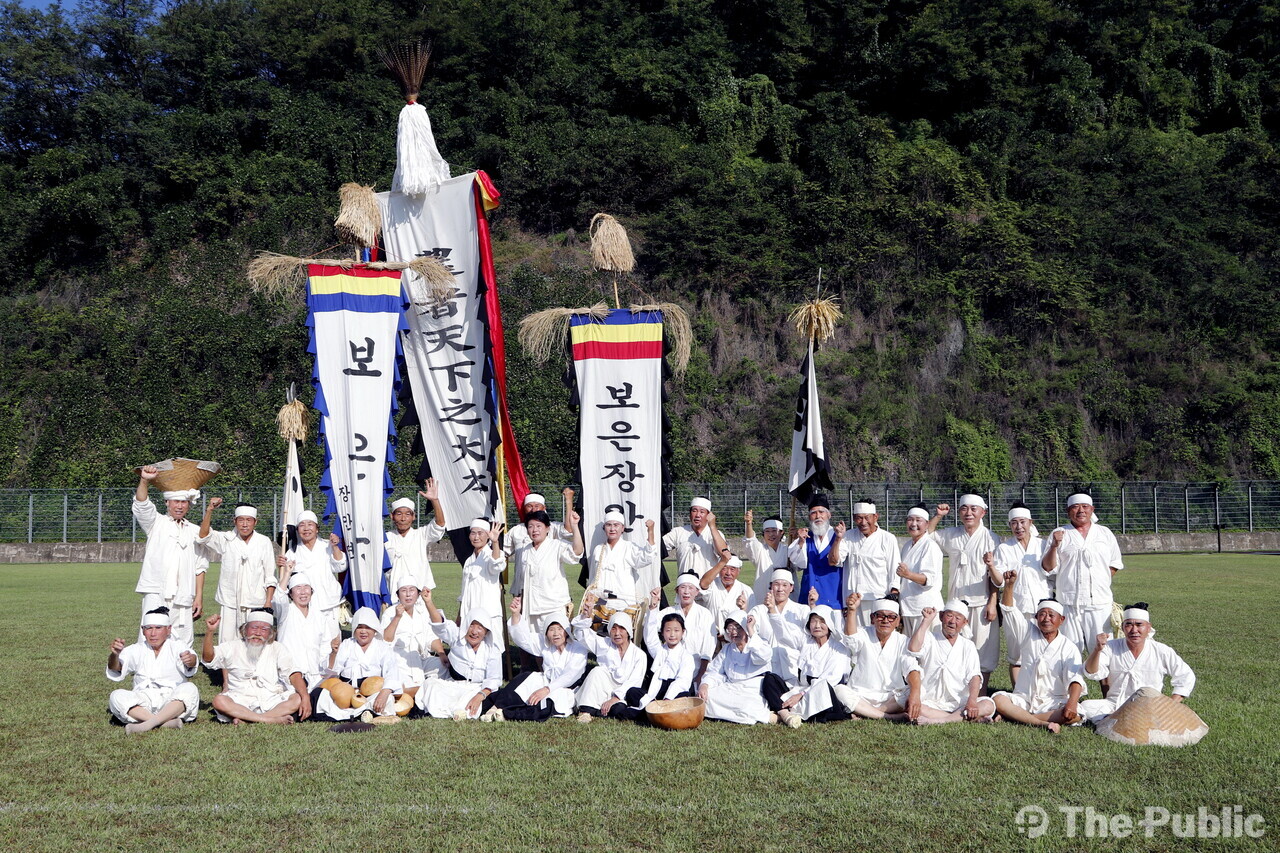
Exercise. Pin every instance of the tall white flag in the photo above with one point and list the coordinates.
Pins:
(809, 467)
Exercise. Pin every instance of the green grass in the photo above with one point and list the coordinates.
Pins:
(71, 781)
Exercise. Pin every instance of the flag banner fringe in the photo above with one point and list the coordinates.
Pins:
(545, 333)
(610, 246)
(359, 218)
(292, 421)
(817, 318)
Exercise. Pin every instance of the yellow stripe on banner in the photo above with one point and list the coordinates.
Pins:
(620, 334)
(359, 285)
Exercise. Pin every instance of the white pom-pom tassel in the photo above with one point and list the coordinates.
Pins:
(419, 166)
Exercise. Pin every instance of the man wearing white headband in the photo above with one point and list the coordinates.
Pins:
(323, 562)
(698, 545)
(699, 625)
(482, 577)
(869, 555)
(1050, 683)
(518, 536)
(408, 547)
(173, 565)
(877, 688)
(919, 570)
(160, 666)
(1023, 552)
(305, 630)
(767, 556)
(944, 678)
(782, 622)
(732, 685)
(967, 547)
(721, 589)
(260, 682)
(1132, 662)
(622, 568)
(1086, 556)
(815, 552)
(247, 579)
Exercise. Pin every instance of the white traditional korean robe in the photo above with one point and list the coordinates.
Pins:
(622, 570)
(479, 669)
(482, 588)
(766, 559)
(561, 669)
(1048, 668)
(408, 555)
(969, 581)
(158, 679)
(820, 668)
(354, 664)
(322, 570)
(412, 644)
(614, 674)
(879, 671)
(308, 637)
(946, 668)
(248, 570)
(170, 564)
(1128, 675)
(733, 683)
(699, 630)
(546, 592)
(922, 556)
(258, 687)
(870, 567)
(1084, 582)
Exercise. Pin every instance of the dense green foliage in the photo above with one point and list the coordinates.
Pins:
(1053, 227)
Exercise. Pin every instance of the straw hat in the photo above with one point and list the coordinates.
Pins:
(180, 474)
(1150, 717)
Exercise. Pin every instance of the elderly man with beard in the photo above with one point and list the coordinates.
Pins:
(699, 544)
(945, 680)
(870, 556)
(322, 562)
(812, 550)
(173, 566)
(160, 666)
(622, 569)
(305, 630)
(408, 546)
(877, 688)
(546, 592)
(699, 625)
(1086, 556)
(722, 592)
(1133, 662)
(258, 674)
(767, 556)
(1049, 686)
(966, 547)
(247, 580)
(1023, 553)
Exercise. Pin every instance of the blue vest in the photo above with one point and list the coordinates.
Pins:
(821, 574)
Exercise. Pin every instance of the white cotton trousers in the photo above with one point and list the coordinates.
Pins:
(1083, 624)
(442, 698)
(153, 699)
(738, 702)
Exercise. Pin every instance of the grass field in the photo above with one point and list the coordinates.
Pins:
(71, 781)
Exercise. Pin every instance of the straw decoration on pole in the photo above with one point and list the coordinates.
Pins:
(292, 420)
(545, 333)
(677, 330)
(408, 64)
(273, 274)
(359, 219)
(817, 318)
(611, 249)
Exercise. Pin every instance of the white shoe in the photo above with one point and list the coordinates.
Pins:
(794, 721)
(460, 715)
(584, 717)
(493, 715)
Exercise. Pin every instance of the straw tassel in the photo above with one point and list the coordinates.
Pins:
(359, 218)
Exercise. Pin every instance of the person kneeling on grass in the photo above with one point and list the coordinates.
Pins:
(732, 684)
(474, 659)
(823, 664)
(877, 688)
(620, 662)
(1132, 662)
(537, 696)
(257, 672)
(945, 676)
(362, 656)
(672, 671)
(1049, 686)
(161, 694)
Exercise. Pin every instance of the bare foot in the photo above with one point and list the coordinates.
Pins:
(1053, 728)
(278, 719)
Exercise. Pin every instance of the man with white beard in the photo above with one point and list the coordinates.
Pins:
(870, 556)
(257, 672)
(810, 553)
(322, 563)
(160, 665)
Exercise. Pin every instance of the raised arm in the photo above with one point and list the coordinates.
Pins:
(148, 474)
(432, 493)
(206, 521)
(1049, 561)
(922, 630)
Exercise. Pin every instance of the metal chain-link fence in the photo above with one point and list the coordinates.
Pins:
(103, 515)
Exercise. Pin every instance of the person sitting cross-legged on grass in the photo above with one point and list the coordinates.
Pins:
(1050, 684)
(823, 664)
(945, 677)
(731, 687)
(258, 673)
(673, 669)
(363, 656)
(475, 660)
(161, 694)
(1132, 662)
(620, 663)
(535, 696)
(877, 687)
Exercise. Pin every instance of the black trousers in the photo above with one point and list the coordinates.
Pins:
(628, 711)
(773, 687)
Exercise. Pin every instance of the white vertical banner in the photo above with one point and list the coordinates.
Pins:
(291, 506)
(618, 371)
(445, 345)
(355, 315)
(810, 469)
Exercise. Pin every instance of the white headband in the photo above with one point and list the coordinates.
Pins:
(621, 618)
(405, 503)
(1050, 604)
(261, 616)
(973, 500)
(365, 616)
(481, 524)
(299, 579)
(886, 604)
(772, 524)
(734, 563)
(781, 575)
(246, 512)
(917, 512)
(614, 515)
(1019, 512)
(700, 503)
(156, 620)
(1079, 498)
(190, 495)
(307, 515)
(1137, 613)
(957, 605)
(534, 498)
(863, 508)
(691, 578)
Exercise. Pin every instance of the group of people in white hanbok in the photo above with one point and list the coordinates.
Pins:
(840, 623)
